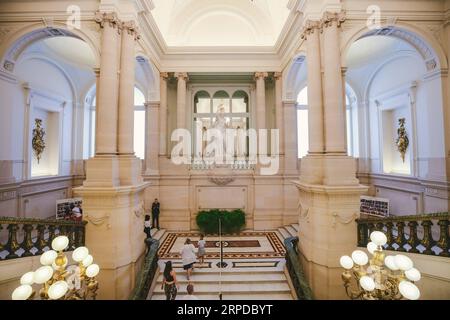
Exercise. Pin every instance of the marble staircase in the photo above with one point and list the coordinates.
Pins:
(237, 284)
(288, 231)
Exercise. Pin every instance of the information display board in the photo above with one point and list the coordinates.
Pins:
(378, 207)
(64, 207)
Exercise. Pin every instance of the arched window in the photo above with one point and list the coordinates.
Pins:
(139, 125)
(303, 125)
(236, 109)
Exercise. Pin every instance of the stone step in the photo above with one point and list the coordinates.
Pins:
(235, 271)
(231, 277)
(284, 233)
(239, 286)
(158, 234)
(233, 296)
(292, 231)
(296, 227)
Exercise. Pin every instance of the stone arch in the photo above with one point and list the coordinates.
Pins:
(428, 47)
(291, 82)
(13, 47)
(152, 91)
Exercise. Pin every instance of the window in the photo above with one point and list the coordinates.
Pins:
(235, 108)
(139, 125)
(302, 123)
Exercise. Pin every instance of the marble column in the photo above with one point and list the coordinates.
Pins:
(152, 138)
(260, 78)
(279, 109)
(108, 85)
(181, 99)
(126, 90)
(335, 118)
(315, 101)
(130, 165)
(103, 169)
(329, 192)
(290, 138)
(163, 114)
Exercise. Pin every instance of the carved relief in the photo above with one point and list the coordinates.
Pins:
(339, 218)
(139, 210)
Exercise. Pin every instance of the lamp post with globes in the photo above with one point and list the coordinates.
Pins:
(60, 281)
(381, 277)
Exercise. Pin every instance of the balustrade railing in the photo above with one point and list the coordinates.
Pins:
(24, 237)
(148, 272)
(295, 270)
(423, 234)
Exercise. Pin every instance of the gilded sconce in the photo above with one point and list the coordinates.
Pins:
(38, 142)
(402, 140)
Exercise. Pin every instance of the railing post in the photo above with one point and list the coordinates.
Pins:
(27, 243)
(40, 241)
(12, 245)
(400, 240)
(389, 235)
(362, 234)
(413, 240)
(444, 242)
(427, 240)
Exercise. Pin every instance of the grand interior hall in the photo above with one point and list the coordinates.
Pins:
(224, 149)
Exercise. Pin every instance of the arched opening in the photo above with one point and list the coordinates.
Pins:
(394, 75)
(43, 102)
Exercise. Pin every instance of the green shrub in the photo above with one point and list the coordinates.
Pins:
(232, 221)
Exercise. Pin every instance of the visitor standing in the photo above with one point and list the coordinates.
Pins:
(155, 214)
(188, 256)
(201, 250)
(170, 284)
(147, 227)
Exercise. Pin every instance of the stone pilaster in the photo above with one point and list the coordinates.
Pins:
(260, 78)
(181, 99)
(152, 138)
(163, 134)
(290, 138)
(279, 113)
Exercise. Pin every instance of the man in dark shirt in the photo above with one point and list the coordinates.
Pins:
(155, 214)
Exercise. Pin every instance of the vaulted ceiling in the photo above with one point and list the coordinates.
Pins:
(220, 22)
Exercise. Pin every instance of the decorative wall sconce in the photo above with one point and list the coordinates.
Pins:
(380, 278)
(59, 281)
(402, 140)
(38, 142)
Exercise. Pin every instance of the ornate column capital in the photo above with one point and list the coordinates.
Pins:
(309, 28)
(107, 17)
(164, 76)
(333, 18)
(131, 28)
(182, 76)
(259, 75)
(278, 76)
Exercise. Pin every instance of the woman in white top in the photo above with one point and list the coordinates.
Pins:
(189, 257)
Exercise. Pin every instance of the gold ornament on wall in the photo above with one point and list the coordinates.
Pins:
(38, 142)
(402, 140)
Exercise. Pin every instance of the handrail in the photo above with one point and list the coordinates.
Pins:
(295, 270)
(37, 235)
(403, 233)
(146, 276)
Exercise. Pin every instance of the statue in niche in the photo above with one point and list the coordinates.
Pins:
(38, 142)
(221, 125)
(402, 140)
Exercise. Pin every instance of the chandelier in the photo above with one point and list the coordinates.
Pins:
(58, 280)
(381, 278)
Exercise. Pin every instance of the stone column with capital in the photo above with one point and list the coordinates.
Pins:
(113, 193)
(152, 110)
(328, 189)
(279, 113)
(260, 78)
(311, 165)
(163, 114)
(130, 165)
(181, 99)
(102, 170)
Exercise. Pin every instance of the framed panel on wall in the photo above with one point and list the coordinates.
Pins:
(378, 207)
